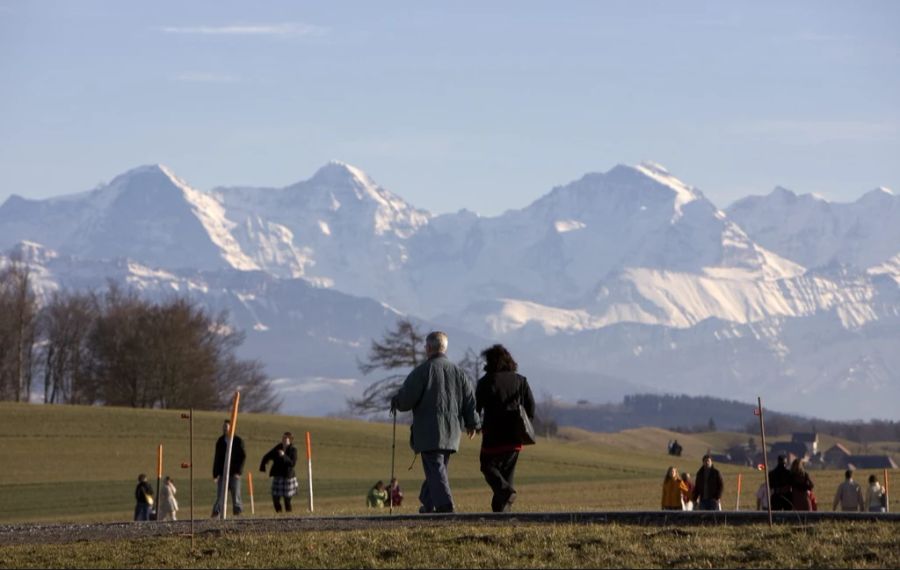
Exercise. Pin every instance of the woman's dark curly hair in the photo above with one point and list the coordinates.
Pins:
(498, 359)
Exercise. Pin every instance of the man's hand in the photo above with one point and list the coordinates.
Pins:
(471, 432)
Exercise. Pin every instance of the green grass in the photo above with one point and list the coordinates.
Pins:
(74, 463)
(825, 545)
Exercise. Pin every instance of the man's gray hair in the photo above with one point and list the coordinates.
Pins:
(436, 341)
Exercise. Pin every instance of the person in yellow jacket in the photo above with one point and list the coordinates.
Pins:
(673, 490)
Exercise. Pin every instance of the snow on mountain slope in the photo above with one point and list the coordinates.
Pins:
(147, 214)
(624, 280)
(561, 248)
(340, 227)
(814, 232)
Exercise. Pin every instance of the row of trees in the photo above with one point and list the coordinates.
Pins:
(115, 348)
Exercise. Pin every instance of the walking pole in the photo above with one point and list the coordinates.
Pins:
(887, 493)
(762, 433)
(393, 456)
(737, 502)
(309, 469)
(158, 477)
(226, 472)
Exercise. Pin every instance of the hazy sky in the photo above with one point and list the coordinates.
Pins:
(484, 105)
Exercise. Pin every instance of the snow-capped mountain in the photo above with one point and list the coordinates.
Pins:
(813, 232)
(624, 280)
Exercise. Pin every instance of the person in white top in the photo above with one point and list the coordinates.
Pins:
(875, 500)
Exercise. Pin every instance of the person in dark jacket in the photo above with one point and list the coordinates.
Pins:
(801, 485)
(238, 456)
(498, 395)
(708, 487)
(780, 482)
(284, 480)
(442, 401)
(143, 497)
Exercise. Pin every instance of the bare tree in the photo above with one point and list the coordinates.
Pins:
(18, 331)
(66, 324)
(545, 416)
(473, 363)
(401, 348)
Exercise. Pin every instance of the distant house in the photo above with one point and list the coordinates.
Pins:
(792, 450)
(836, 456)
(810, 439)
(720, 457)
(857, 462)
(741, 455)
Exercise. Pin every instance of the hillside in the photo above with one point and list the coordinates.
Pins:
(66, 463)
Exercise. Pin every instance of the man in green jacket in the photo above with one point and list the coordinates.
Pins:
(442, 401)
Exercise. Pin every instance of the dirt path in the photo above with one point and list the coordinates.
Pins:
(62, 533)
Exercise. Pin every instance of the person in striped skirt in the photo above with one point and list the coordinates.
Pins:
(284, 480)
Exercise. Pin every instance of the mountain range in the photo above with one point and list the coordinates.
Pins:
(623, 281)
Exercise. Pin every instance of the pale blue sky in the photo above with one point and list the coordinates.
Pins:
(484, 105)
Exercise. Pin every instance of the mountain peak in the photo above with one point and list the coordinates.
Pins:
(338, 172)
(155, 175)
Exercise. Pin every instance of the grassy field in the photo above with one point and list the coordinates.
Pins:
(825, 545)
(73, 463)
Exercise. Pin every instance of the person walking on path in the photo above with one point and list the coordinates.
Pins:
(442, 401)
(708, 486)
(238, 456)
(168, 504)
(498, 395)
(284, 480)
(849, 495)
(673, 490)
(875, 498)
(143, 497)
(801, 485)
(780, 483)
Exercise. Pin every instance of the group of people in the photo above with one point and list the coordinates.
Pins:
(849, 495)
(791, 490)
(167, 507)
(443, 404)
(704, 494)
(380, 496)
(284, 480)
(283, 457)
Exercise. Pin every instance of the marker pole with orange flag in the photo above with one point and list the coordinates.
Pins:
(309, 469)
(737, 502)
(226, 471)
(158, 477)
(250, 484)
(762, 434)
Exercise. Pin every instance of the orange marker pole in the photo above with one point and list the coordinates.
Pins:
(250, 484)
(158, 476)
(309, 469)
(226, 472)
(737, 502)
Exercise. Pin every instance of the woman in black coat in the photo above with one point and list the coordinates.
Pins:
(284, 481)
(498, 395)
